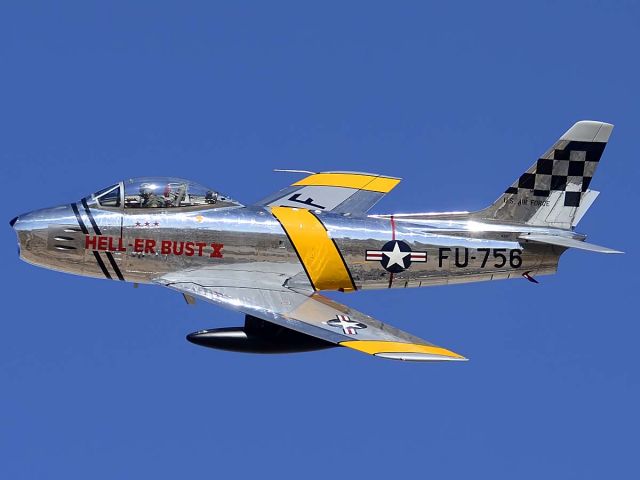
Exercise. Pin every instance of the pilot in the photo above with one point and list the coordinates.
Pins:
(149, 199)
(211, 197)
(174, 195)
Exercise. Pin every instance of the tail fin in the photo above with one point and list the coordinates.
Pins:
(555, 190)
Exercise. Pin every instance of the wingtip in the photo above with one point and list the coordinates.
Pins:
(421, 357)
(404, 351)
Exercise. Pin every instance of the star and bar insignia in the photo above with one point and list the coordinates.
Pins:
(147, 224)
(395, 256)
(349, 327)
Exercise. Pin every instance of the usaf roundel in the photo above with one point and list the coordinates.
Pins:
(348, 326)
(395, 256)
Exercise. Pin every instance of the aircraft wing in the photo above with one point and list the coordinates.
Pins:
(340, 192)
(263, 295)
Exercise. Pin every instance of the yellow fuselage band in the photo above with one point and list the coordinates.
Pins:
(317, 252)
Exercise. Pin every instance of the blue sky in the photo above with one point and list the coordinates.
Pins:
(96, 378)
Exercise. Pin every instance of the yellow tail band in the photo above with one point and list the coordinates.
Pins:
(317, 252)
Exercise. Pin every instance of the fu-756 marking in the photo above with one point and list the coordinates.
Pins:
(502, 256)
(271, 259)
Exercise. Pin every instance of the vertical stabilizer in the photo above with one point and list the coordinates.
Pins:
(554, 191)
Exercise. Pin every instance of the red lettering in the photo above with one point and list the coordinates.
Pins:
(90, 242)
(200, 246)
(138, 245)
(217, 250)
(176, 250)
(165, 247)
(149, 246)
(188, 249)
(102, 243)
(121, 247)
(112, 247)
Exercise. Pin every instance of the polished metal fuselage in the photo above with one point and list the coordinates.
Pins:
(143, 245)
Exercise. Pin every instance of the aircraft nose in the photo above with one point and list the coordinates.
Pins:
(23, 222)
(33, 230)
(35, 220)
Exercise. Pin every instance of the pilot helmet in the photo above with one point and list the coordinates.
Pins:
(146, 190)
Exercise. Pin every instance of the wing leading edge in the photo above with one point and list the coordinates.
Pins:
(306, 312)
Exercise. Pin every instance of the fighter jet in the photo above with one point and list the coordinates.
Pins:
(271, 259)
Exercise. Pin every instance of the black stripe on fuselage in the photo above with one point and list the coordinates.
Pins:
(83, 227)
(101, 264)
(115, 267)
(112, 260)
(91, 219)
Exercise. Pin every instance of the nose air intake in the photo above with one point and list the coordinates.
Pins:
(13, 221)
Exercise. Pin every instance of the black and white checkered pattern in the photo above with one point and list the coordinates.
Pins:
(568, 167)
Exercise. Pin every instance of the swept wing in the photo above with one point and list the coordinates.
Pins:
(267, 297)
(340, 192)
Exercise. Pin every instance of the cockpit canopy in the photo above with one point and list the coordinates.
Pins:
(160, 192)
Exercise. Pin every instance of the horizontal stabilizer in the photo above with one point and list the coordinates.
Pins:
(567, 242)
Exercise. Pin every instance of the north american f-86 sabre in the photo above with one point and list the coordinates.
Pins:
(269, 260)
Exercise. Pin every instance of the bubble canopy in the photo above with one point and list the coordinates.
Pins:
(160, 192)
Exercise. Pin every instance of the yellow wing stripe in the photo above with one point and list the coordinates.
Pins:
(374, 347)
(317, 252)
(358, 181)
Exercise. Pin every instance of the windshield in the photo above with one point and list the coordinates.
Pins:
(108, 197)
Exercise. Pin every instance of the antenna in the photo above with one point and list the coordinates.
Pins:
(288, 170)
